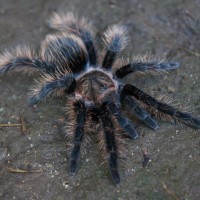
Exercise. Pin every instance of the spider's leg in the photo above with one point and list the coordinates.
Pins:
(22, 59)
(100, 114)
(145, 66)
(115, 39)
(81, 27)
(78, 134)
(134, 108)
(162, 107)
(50, 84)
(66, 51)
(110, 145)
(113, 108)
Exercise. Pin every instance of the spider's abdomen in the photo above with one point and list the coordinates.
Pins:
(94, 85)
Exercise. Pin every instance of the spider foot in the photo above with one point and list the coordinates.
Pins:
(115, 176)
(151, 122)
(130, 129)
(188, 119)
(73, 167)
(113, 168)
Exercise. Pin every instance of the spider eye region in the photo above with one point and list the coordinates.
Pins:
(104, 87)
(93, 86)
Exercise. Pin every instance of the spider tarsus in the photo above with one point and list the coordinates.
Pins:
(32, 101)
(115, 176)
(130, 129)
(134, 108)
(114, 168)
(169, 65)
(151, 123)
(188, 119)
(196, 122)
(73, 167)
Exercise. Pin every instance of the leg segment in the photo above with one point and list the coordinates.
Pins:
(66, 51)
(82, 28)
(51, 84)
(142, 66)
(115, 40)
(134, 108)
(78, 134)
(23, 59)
(162, 107)
(113, 108)
(110, 145)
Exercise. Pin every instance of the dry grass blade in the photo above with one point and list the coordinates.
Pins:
(192, 53)
(23, 125)
(10, 125)
(13, 170)
(169, 192)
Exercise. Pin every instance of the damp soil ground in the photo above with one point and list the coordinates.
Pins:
(170, 28)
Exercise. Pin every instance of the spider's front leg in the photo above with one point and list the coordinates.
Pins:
(50, 84)
(80, 110)
(141, 66)
(71, 24)
(130, 90)
(23, 59)
(115, 39)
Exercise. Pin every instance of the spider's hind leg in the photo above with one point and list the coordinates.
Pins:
(80, 27)
(135, 109)
(111, 104)
(162, 107)
(80, 109)
(110, 145)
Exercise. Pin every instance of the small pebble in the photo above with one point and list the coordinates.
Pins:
(65, 184)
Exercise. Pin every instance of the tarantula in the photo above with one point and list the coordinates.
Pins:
(69, 66)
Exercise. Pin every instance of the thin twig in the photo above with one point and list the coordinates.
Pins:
(169, 192)
(24, 171)
(9, 125)
(23, 125)
(193, 53)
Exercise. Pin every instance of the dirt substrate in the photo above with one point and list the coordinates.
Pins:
(170, 28)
